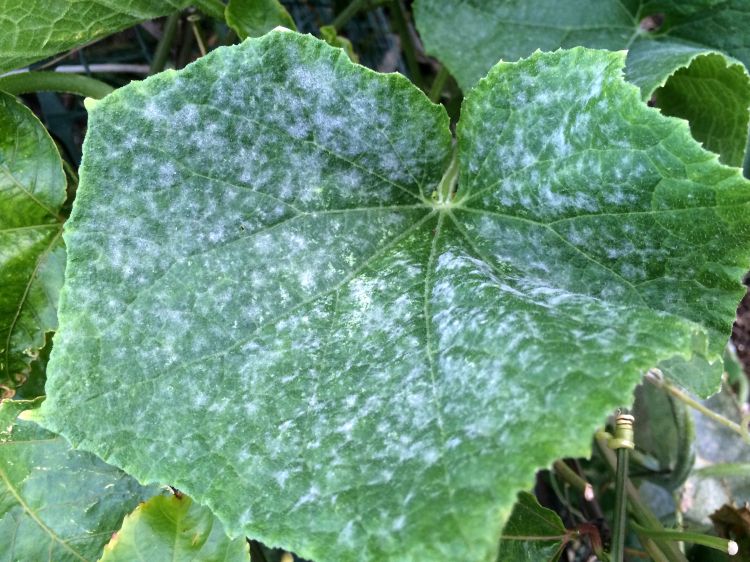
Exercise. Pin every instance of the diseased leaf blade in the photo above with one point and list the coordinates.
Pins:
(701, 84)
(32, 255)
(56, 503)
(332, 357)
(532, 534)
(253, 18)
(174, 528)
(30, 31)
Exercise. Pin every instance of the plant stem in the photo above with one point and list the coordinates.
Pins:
(446, 188)
(194, 19)
(407, 44)
(165, 43)
(348, 13)
(572, 478)
(725, 470)
(436, 91)
(617, 552)
(653, 550)
(48, 81)
(638, 509)
(656, 378)
(724, 545)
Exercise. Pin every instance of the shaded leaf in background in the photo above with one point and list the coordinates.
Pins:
(253, 18)
(666, 433)
(174, 528)
(32, 255)
(56, 503)
(703, 86)
(31, 30)
(722, 462)
(532, 534)
(333, 353)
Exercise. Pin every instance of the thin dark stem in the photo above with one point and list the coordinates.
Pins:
(638, 509)
(621, 507)
(436, 91)
(348, 13)
(407, 43)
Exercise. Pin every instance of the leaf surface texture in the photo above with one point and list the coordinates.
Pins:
(334, 357)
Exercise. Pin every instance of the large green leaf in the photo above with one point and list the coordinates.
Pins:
(56, 503)
(32, 255)
(174, 528)
(31, 30)
(687, 56)
(532, 534)
(334, 354)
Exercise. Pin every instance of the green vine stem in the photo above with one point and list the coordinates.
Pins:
(653, 550)
(194, 19)
(348, 13)
(622, 442)
(724, 545)
(640, 511)
(655, 377)
(571, 477)
(407, 43)
(50, 81)
(436, 91)
(725, 470)
(165, 43)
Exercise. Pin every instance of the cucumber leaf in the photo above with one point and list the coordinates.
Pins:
(533, 533)
(253, 18)
(174, 527)
(32, 254)
(334, 349)
(56, 503)
(695, 57)
(31, 31)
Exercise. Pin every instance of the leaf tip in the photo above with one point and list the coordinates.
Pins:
(90, 103)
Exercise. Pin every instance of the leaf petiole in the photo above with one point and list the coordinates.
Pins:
(728, 546)
(50, 81)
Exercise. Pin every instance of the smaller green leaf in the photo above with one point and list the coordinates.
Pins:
(174, 528)
(56, 503)
(32, 254)
(33, 31)
(329, 35)
(708, 89)
(533, 533)
(253, 18)
(665, 431)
